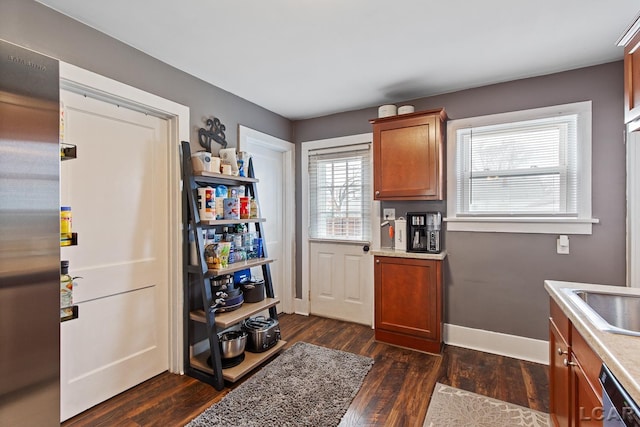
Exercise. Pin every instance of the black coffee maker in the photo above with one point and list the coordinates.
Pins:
(423, 232)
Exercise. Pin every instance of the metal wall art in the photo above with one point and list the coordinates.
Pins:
(214, 132)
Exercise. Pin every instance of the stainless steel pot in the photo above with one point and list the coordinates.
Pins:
(253, 289)
(232, 343)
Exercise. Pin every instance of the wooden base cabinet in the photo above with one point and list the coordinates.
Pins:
(575, 392)
(409, 156)
(408, 303)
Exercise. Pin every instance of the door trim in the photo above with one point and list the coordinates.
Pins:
(302, 304)
(633, 209)
(78, 80)
(288, 149)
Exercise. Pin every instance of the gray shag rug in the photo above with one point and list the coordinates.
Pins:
(306, 385)
(451, 406)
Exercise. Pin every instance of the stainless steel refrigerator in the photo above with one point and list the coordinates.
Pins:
(29, 238)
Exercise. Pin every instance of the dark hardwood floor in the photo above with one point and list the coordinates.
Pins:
(396, 391)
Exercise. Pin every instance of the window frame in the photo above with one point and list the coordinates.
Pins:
(332, 156)
(545, 224)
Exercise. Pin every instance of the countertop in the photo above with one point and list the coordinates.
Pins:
(621, 353)
(404, 254)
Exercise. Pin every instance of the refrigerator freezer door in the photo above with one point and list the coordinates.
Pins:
(29, 238)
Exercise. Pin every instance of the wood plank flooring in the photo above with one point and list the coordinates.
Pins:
(396, 391)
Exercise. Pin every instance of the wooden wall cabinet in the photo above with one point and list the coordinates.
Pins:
(575, 392)
(631, 42)
(409, 156)
(408, 302)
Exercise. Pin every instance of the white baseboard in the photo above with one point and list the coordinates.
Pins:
(497, 343)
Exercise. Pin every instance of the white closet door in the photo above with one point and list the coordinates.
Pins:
(118, 190)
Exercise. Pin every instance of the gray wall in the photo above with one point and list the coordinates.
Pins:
(494, 281)
(34, 26)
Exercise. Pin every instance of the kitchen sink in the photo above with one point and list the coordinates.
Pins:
(609, 311)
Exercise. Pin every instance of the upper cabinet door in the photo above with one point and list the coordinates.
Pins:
(408, 156)
(631, 42)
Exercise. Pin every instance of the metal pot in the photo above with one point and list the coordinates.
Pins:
(229, 304)
(229, 293)
(223, 283)
(232, 343)
(253, 289)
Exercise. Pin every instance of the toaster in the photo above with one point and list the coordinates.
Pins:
(263, 333)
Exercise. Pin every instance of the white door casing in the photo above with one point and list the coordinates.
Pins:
(337, 278)
(633, 209)
(118, 300)
(273, 164)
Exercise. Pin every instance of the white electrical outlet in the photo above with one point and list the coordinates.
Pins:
(562, 244)
(389, 214)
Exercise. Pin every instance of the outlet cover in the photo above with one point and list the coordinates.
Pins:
(562, 245)
(389, 214)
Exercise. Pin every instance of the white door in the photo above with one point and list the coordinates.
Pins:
(273, 165)
(341, 281)
(118, 190)
(337, 267)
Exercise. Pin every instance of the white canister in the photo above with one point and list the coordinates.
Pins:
(201, 161)
(400, 235)
(387, 110)
(215, 164)
(406, 109)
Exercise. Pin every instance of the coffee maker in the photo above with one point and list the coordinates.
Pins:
(423, 232)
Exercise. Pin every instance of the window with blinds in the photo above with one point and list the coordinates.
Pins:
(522, 168)
(340, 194)
(533, 163)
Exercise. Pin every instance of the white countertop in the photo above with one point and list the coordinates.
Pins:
(621, 353)
(404, 254)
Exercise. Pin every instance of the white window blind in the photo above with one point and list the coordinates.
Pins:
(524, 168)
(340, 193)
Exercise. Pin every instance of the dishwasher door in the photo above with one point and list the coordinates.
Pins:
(618, 408)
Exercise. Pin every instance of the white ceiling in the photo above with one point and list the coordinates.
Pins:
(309, 58)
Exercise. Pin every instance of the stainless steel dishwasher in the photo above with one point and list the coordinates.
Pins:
(618, 408)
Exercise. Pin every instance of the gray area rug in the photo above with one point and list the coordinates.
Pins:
(306, 385)
(451, 406)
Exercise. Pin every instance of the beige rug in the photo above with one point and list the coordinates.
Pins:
(451, 406)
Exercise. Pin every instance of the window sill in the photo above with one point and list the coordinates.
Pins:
(522, 225)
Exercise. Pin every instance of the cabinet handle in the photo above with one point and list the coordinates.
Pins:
(377, 193)
(566, 363)
(560, 352)
(377, 261)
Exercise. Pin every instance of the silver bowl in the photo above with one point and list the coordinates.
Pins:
(232, 343)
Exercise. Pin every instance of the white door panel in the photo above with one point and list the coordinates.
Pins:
(341, 282)
(118, 190)
(273, 165)
(337, 275)
(125, 353)
(269, 169)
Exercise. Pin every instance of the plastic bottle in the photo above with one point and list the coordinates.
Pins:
(65, 226)
(66, 289)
